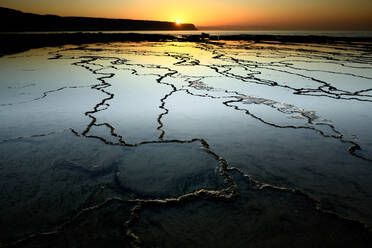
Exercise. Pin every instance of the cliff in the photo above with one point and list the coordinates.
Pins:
(17, 21)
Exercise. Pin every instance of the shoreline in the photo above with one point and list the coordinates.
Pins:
(15, 43)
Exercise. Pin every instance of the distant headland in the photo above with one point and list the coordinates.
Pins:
(17, 21)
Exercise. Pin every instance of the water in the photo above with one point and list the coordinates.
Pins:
(188, 144)
(329, 33)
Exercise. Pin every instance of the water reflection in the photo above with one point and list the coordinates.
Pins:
(154, 132)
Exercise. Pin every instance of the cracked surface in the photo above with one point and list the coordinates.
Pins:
(134, 135)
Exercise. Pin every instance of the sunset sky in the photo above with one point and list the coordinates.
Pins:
(276, 14)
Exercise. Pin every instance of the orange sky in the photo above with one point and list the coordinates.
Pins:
(278, 14)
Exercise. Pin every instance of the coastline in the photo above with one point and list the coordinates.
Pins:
(18, 42)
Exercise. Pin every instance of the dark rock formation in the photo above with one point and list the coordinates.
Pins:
(17, 21)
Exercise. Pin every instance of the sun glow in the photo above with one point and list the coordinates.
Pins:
(178, 22)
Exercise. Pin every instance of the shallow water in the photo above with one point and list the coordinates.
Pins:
(189, 144)
(329, 33)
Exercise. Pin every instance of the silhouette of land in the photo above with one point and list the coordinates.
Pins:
(17, 21)
(19, 42)
(17, 35)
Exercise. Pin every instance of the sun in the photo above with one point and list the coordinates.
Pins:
(178, 22)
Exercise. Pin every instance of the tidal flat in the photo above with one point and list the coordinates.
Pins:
(187, 144)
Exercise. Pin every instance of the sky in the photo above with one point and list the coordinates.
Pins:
(265, 14)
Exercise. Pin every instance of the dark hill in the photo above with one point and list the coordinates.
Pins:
(17, 21)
